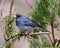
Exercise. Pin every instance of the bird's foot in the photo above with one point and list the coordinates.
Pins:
(25, 33)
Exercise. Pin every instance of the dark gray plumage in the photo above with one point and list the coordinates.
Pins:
(27, 24)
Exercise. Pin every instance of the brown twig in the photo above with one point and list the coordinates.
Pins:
(10, 12)
(52, 25)
(55, 41)
(40, 33)
(58, 42)
(50, 38)
(1, 6)
(29, 4)
(11, 7)
(52, 28)
(12, 37)
(35, 41)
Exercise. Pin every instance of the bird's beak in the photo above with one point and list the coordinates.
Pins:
(14, 16)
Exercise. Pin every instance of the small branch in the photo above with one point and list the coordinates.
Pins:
(55, 41)
(52, 24)
(27, 34)
(52, 29)
(11, 7)
(1, 6)
(29, 4)
(12, 37)
(50, 38)
(40, 33)
(35, 41)
(58, 42)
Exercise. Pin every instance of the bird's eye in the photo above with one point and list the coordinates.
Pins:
(18, 16)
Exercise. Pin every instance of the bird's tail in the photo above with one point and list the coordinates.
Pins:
(43, 30)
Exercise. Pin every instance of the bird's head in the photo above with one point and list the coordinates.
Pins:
(18, 15)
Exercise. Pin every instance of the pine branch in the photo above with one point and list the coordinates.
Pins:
(35, 41)
(50, 38)
(52, 25)
(40, 33)
(52, 28)
(37, 33)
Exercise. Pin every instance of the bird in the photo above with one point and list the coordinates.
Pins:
(26, 24)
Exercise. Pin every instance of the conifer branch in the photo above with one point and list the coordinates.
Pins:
(37, 33)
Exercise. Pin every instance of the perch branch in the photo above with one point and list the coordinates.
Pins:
(1, 6)
(27, 34)
(40, 33)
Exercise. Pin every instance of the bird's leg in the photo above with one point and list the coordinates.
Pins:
(25, 33)
(22, 33)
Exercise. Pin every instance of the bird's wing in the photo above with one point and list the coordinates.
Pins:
(30, 23)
